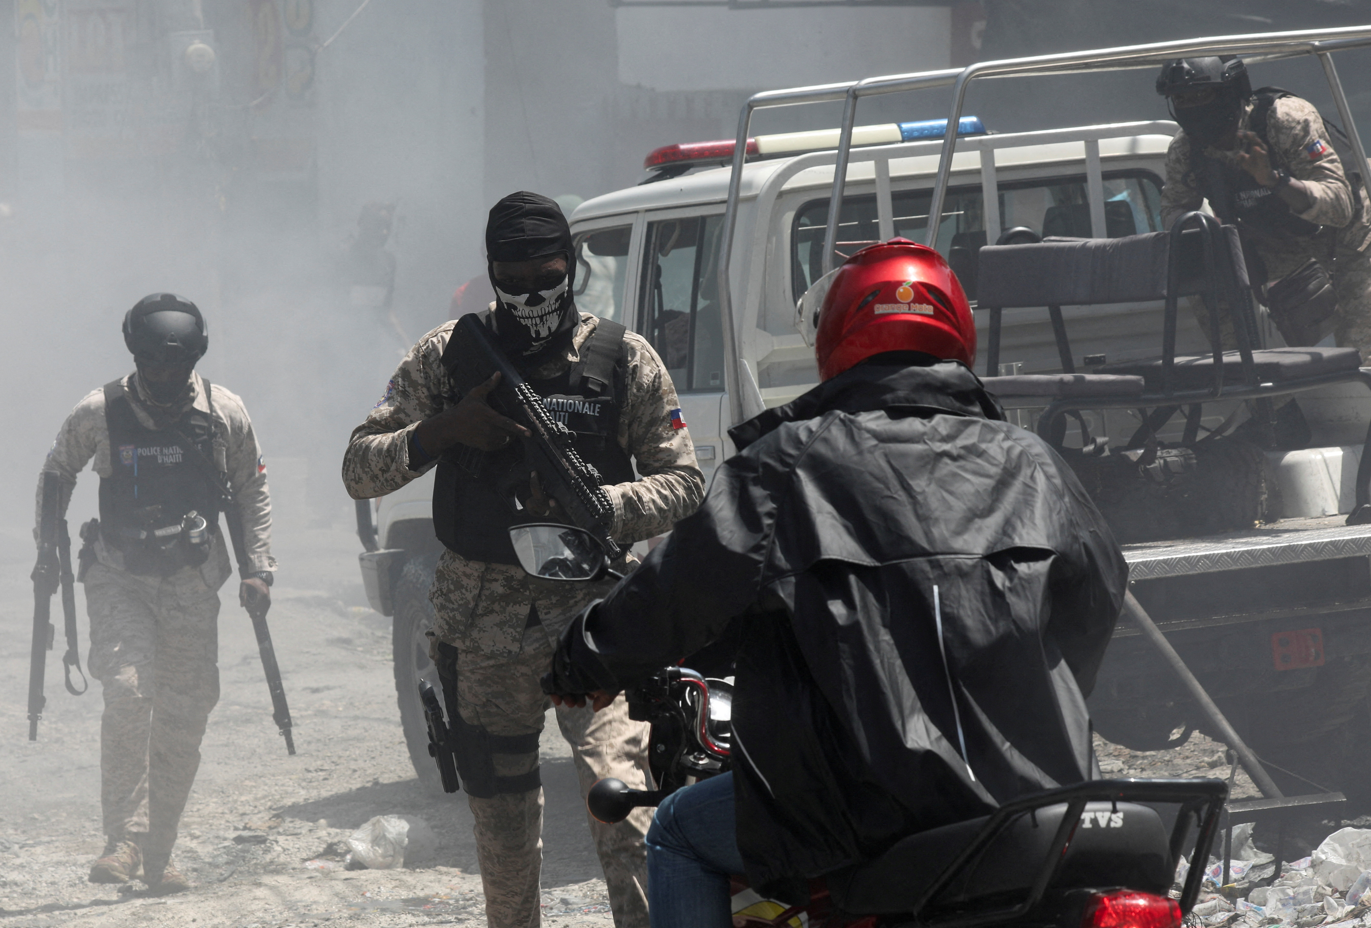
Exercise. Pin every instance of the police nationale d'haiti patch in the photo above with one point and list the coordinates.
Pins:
(676, 421)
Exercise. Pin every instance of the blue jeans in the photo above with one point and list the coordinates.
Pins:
(692, 848)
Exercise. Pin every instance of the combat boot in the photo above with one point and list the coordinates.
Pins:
(120, 863)
(171, 881)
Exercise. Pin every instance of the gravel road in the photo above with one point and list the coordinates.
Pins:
(264, 833)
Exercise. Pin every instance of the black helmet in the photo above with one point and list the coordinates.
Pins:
(1187, 75)
(166, 329)
(1205, 95)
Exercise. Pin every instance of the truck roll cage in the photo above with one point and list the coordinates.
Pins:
(1273, 46)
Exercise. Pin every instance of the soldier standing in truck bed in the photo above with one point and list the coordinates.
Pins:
(497, 626)
(159, 560)
(1265, 162)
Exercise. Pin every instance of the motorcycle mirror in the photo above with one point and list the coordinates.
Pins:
(558, 552)
(808, 306)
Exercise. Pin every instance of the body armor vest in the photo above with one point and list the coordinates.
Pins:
(474, 491)
(1236, 196)
(155, 485)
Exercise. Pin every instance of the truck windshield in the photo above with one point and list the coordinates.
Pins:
(1050, 206)
(601, 267)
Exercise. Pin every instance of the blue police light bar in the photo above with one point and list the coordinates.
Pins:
(937, 128)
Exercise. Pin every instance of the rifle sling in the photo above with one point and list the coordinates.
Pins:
(72, 658)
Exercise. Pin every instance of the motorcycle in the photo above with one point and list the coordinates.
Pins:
(1098, 854)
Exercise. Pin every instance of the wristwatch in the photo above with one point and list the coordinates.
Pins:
(1283, 178)
(264, 575)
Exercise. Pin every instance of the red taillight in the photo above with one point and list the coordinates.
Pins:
(1130, 909)
(696, 151)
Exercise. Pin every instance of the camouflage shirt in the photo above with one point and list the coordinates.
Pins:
(1298, 142)
(84, 438)
(672, 485)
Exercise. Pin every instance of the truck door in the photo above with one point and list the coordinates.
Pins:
(678, 313)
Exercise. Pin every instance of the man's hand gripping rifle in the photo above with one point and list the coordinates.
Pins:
(549, 451)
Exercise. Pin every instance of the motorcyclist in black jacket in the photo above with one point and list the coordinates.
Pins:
(923, 593)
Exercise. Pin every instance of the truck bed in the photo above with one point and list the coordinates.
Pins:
(1289, 541)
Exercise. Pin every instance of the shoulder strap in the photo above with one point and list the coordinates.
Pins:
(601, 356)
(1266, 97)
(449, 356)
(114, 395)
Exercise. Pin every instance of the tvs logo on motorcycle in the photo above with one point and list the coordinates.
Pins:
(1102, 820)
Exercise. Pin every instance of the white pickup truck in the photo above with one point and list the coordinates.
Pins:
(649, 256)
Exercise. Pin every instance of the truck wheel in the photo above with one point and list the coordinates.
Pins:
(1312, 732)
(413, 617)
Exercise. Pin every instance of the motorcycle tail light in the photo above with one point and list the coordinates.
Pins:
(1128, 908)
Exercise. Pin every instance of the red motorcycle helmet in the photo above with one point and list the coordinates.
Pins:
(895, 296)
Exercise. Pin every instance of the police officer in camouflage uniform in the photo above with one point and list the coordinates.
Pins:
(1266, 163)
(496, 626)
(159, 560)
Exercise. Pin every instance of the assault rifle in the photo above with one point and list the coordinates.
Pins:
(549, 450)
(53, 571)
(257, 606)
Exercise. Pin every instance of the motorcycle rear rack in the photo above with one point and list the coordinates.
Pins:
(1194, 796)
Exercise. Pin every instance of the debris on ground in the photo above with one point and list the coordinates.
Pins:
(386, 842)
(1331, 887)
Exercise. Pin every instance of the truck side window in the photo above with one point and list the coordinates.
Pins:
(1052, 206)
(601, 266)
(680, 306)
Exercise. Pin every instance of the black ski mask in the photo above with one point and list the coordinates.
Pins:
(1211, 122)
(539, 325)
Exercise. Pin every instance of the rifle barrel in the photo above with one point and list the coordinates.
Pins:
(280, 712)
(38, 656)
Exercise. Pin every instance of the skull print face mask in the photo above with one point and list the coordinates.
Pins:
(539, 323)
(539, 311)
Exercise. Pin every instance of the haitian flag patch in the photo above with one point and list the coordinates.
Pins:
(1316, 149)
(676, 421)
(261, 465)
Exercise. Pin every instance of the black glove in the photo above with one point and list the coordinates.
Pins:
(575, 669)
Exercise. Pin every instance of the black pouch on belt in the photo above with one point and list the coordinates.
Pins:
(1302, 304)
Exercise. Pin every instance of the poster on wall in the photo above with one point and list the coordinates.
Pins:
(96, 92)
(268, 46)
(38, 73)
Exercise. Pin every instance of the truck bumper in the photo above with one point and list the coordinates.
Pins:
(380, 572)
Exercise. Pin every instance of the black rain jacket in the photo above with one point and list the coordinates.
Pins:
(881, 543)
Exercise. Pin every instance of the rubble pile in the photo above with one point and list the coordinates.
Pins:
(1330, 887)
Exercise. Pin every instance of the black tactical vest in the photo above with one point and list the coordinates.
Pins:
(473, 491)
(1235, 195)
(155, 482)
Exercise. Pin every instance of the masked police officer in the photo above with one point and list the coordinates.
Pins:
(164, 442)
(496, 626)
(1265, 162)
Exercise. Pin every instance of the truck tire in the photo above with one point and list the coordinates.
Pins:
(409, 647)
(1313, 732)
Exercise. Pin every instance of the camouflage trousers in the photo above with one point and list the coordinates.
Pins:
(154, 648)
(505, 626)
